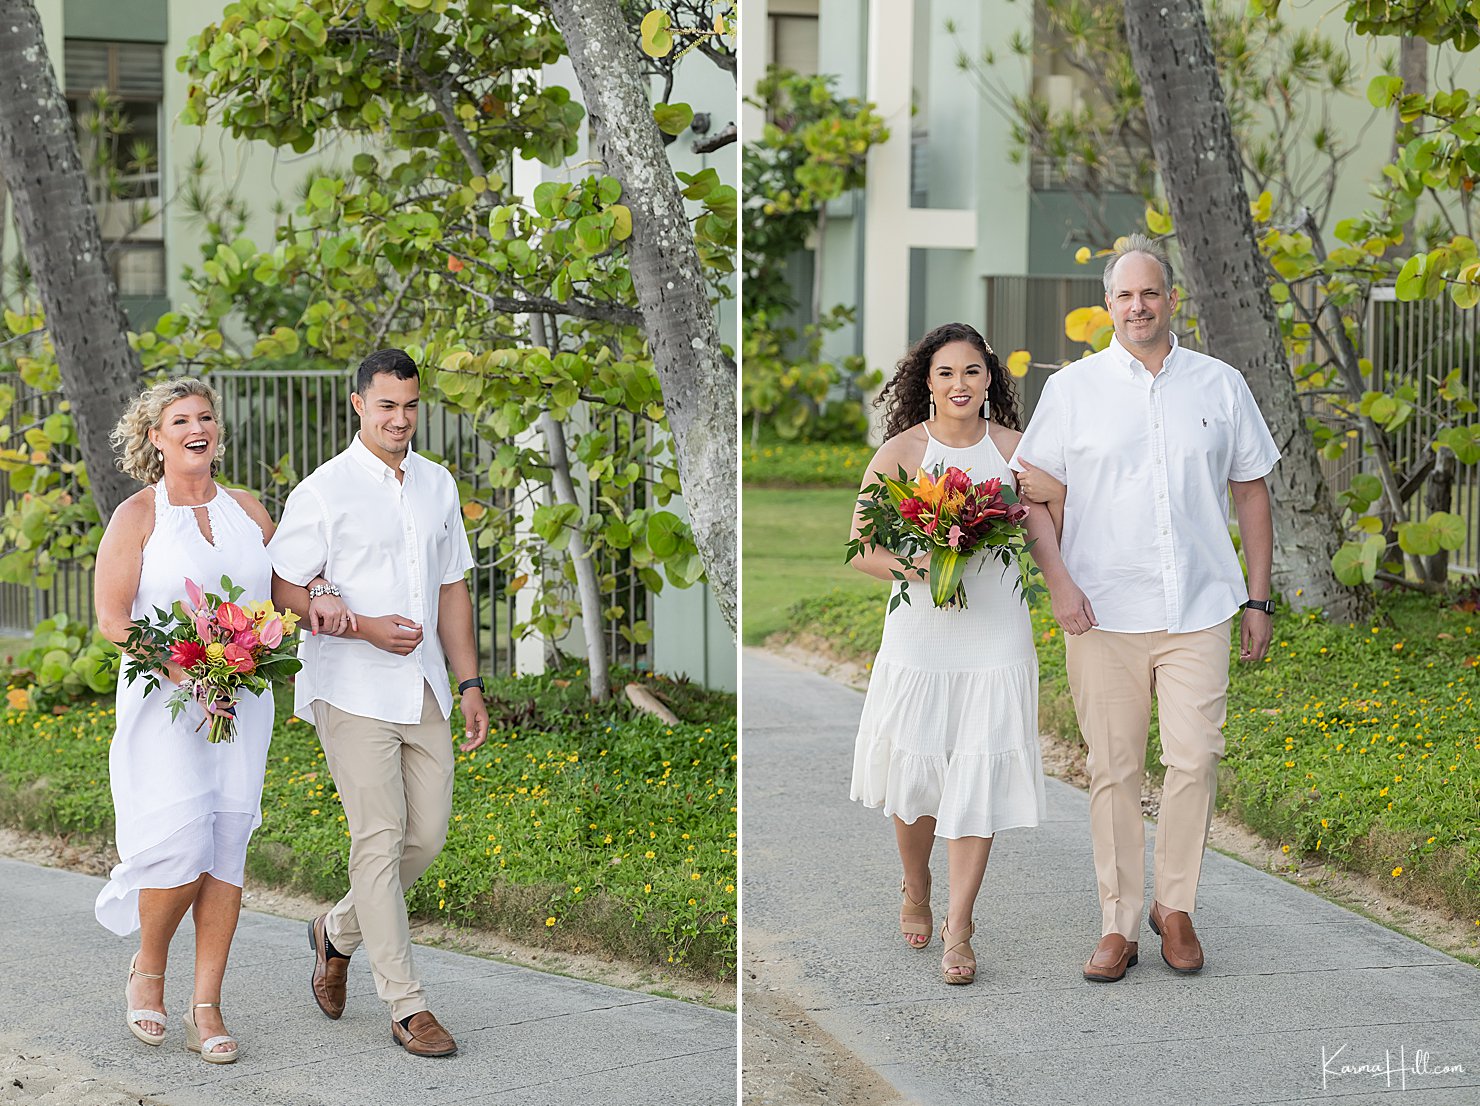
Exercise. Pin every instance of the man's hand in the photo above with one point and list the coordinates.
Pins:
(1037, 486)
(1255, 628)
(395, 633)
(475, 717)
(328, 614)
(1071, 608)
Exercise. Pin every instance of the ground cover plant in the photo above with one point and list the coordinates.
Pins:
(772, 464)
(584, 828)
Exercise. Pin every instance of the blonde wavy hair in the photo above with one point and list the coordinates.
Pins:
(137, 456)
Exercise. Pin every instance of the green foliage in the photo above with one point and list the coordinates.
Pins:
(776, 464)
(66, 661)
(599, 819)
(813, 150)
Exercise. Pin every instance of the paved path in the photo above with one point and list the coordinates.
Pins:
(526, 1038)
(1289, 974)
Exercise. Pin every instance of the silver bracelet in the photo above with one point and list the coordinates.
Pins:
(321, 589)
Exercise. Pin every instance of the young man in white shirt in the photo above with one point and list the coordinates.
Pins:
(1150, 437)
(384, 527)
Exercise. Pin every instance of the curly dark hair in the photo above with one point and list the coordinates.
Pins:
(906, 398)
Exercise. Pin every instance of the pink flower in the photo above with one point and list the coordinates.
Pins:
(187, 654)
(272, 632)
(239, 659)
(953, 538)
(197, 597)
(910, 509)
(203, 626)
(247, 639)
(232, 617)
(988, 488)
(929, 527)
(1017, 512)
(957, 481)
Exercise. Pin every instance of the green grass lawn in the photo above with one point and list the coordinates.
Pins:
(793, 543)
(587, 829)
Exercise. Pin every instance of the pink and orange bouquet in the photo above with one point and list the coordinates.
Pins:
(225, 650)
(948, 516)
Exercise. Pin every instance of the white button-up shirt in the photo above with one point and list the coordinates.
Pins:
(389, 546)
(1147, 460)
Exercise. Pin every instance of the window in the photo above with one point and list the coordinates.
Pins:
(793, 35)
(115, 91)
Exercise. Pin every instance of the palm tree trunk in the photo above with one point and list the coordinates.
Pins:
(64, 248)
(697, 377)
(1194, 144)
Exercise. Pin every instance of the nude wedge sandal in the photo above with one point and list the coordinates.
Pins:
(966, 959)
(195, 1044)
(134, 1017)
(916, 922)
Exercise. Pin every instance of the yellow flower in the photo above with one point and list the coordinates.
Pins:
(442, 884)
(1398, 871)
(647, 889)
(549, 921)
(215, 651)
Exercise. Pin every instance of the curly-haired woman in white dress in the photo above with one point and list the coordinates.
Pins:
(184, 808)
(948, 740)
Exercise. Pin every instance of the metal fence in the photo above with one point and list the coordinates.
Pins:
(279, 426)
(1407, 343)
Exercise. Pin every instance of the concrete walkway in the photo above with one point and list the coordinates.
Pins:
(1295, 989)
(526, 1038)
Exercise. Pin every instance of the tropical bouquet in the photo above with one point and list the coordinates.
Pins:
(226, 649)
(953, 519)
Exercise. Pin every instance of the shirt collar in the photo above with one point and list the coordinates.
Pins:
(373, 464)
(1131, 363)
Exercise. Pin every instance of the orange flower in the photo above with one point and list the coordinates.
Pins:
(931, 492)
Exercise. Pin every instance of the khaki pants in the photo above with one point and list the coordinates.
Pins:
(1113, 677)
(396, 785)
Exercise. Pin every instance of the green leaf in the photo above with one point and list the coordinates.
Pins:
(666, 534)
(1384, 91)
(946, 569)
(673, 119)
(657, 42)
(1450, 529)
(1418, 538)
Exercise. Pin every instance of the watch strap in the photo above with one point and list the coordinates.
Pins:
(476, 681)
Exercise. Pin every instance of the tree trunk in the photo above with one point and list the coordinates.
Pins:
(586, 586)
(1438, 497)
(64, 248)
(698, 380)
(1194, 145)
(1413, 67)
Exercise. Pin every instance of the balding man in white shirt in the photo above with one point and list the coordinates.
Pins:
(384, 526)
(1150, 438)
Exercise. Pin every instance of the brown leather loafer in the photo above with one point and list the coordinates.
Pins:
(329, 972)
(1112, 956)
(424, 1036)
(1179, 944)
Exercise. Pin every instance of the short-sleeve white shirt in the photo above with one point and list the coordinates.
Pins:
(1147, 461)
(388, 545)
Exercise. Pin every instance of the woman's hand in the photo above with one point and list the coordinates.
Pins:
(1038, 486)
(328, 614)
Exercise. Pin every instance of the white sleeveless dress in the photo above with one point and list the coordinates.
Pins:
(950, 723)
(182, 805)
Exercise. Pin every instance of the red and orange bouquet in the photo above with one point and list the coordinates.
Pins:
(948, 516)
(225, 650)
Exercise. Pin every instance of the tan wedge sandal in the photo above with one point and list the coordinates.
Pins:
(134, 1017)
(965, 960)
(195, 1044)
(913, 921)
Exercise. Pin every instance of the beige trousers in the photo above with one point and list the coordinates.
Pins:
(396, 785)
(1113, 678)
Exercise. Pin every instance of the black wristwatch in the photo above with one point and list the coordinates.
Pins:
(1265, 605)
(476, 681)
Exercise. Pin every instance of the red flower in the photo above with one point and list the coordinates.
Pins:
(239, 659)
(988, 488)
(188, 654)
(232, 617)
(911, 509)
(957, 481)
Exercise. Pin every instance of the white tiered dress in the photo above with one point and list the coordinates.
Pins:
(950, 723)
(182, 805)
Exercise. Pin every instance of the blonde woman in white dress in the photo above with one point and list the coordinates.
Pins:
(948, 740)
(184, 808)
